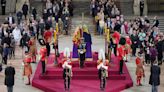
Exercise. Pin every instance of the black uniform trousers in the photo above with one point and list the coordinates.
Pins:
(121, 66)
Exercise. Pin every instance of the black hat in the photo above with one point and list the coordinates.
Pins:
(47, 27)
(42, 42)
(122, 41)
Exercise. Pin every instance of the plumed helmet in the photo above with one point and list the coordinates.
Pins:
(101, 55)
(66, 52)
(42, 42)
(122, 41)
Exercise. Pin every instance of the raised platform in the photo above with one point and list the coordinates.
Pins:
(83, 80)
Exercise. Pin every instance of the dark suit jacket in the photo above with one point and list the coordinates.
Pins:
(9, 76)
(155, 75)
(3, 2)
(25, 9)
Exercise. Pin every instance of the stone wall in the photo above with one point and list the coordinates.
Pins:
(10, 6)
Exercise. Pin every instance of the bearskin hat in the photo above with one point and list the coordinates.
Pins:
(122, 41)
(47, 27)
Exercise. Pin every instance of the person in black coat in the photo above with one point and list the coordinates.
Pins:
(9, 78)
(134, 39)
(141, 7)
(25, 10)
(19, 17)
(160, 49)
(155, 76)
(3, 5)
(34, 12)
(155, 22)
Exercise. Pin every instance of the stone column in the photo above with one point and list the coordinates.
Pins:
(136, 7)
(145, 8)
(20, 3)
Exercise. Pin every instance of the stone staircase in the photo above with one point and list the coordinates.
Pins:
(10, 6)
(126, 7)
(88, 21)
(39, 5)
(82, 6)
(161, 21)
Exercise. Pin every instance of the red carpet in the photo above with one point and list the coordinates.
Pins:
(83, 80)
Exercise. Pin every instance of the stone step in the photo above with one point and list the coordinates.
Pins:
(81, 6)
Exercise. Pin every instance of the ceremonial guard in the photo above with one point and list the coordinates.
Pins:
(47, 38)
(88, 40)
(82, 51)
(107, 42)
(115, 41)
(139, 71)
(121, 54)
(43, 55)
(33, 50)
(76, 42)
(128, 48)
(55, 45)
(67, 69)
(27, 66)
(102, 69)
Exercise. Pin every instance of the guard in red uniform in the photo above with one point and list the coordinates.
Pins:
(47, 37)
(33, 50)
(115, 40)
(121, 53)
(139, 71)
(27, 66)
(43, 55)
(128, 48)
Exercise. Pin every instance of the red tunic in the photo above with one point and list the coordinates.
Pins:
(27, 59)
(47, 35)
(43, 54)
(121, 52)
(30, 43)
(116, 36)
(128, 41)
(138, 60)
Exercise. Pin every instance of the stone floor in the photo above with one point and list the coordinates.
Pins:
(66, 41)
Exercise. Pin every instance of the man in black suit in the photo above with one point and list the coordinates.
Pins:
(25, 10)
(9, 78)
(82, 51)
(155, 76)
(141, 7)
(3, 5)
